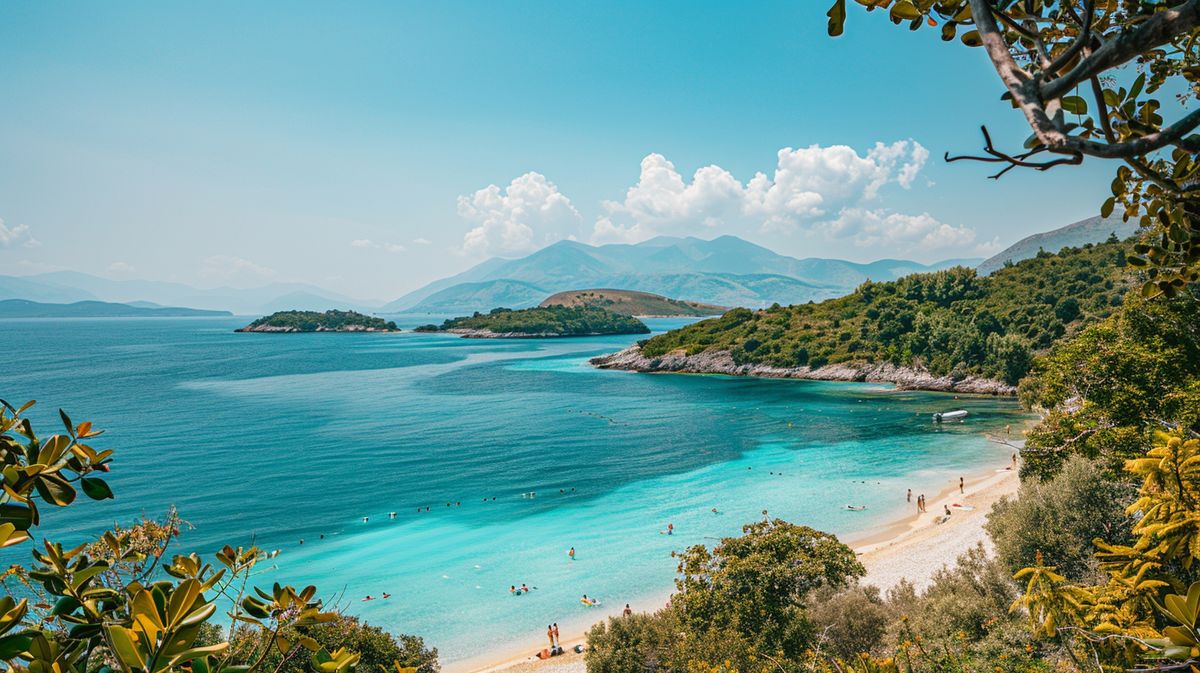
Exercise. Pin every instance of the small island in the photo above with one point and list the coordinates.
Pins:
(290, 322)
(540, 322)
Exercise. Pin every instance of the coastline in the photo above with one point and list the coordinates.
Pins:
(911, 546)
(721, 362)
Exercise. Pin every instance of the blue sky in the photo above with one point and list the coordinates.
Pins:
(356, 145)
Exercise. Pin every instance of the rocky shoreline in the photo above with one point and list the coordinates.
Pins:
(721, 362)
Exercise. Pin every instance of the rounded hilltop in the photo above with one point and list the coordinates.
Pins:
(633, 303)
(291, 322)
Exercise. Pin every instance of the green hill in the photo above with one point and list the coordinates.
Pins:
(948, 323)
(312, 321)
(547, 321)
(23, 308)
(630, 302)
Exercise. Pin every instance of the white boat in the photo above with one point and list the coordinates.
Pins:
(949, 415)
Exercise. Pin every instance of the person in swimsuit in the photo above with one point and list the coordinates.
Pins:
(627, 611)
(571, 553)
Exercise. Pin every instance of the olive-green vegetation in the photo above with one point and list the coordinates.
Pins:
(630, 302)
(1058, 518)
(950, 322)
(742, 602)
(313, 321)
(1107, 389)
(548, 321)
(121, 604)
(1065, 64)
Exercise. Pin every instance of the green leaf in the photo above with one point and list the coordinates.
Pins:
(1075, 105)
(972, 39)
(11, 646)
(55, 490)
(1109, 204)
(905, 10)
(837, 18)
(96, 488)
(66, 422)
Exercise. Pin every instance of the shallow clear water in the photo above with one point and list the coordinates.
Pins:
(287, 437)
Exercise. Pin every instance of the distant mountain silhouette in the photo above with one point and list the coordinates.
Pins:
(1092, 230)
(727, 271)
(65, 287)
(22, 308)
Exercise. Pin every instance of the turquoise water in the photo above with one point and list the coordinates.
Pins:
(278, 438)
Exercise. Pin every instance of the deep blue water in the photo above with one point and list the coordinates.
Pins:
(278, 438)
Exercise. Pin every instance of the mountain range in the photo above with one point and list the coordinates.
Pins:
(1091, 230)
(727, 271)
(66, 287)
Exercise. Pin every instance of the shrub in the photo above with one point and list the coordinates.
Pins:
(1060, 517)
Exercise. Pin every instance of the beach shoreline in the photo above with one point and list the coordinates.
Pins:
(911, 546)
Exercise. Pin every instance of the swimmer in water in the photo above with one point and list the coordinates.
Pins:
(571, 553)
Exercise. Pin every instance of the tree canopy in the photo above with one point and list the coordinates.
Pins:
(1067, 65)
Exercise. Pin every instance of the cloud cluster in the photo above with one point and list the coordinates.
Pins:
(825, 191)
(368, 243)
(228, 268)
(18, 234)
(524, 216)
(121, 267)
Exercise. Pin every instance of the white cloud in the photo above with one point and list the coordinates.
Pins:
(230, 268)
(121, 267)
(808, 185)
(421, 241)
(527, 214)
(17, 234)
(367, 243)
(897, 232)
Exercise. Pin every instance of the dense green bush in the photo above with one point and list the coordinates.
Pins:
(313, 321)
(850, 621)
(378, 650)
(1107, 388)
(1059, 518)
(951, 322)
(637, 643)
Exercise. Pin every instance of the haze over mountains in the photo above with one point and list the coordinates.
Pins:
(726, 271)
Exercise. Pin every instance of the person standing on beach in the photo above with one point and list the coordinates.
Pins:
(960, 485)
(557, 642)
(627, 611)
(550, 635)
(908, 496)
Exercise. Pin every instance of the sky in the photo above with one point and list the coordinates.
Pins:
(372, 147)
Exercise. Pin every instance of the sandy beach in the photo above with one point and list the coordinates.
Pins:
(912, 547)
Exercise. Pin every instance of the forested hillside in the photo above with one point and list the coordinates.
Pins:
(951, 322)
(548, 321)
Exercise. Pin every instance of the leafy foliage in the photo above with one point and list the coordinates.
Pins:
(630, 302)
(951, 322)
(312, 321)
(378, 650)
(1105, 389)
(549, 321)
(118, 604)
(1058, 518)
(1060, 62)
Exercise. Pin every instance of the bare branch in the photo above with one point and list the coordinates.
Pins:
(1085, 34)
(995, 156)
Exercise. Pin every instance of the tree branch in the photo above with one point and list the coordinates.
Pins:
(995, 156)
(1156, 31)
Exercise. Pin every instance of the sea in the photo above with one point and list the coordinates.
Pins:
(442, 471)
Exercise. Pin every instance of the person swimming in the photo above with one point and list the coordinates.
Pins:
(571, 553)
(386, 595)
(524, 589)
(368, 598)
(588, 601)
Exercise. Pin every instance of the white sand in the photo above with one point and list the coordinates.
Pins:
(913, 548)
